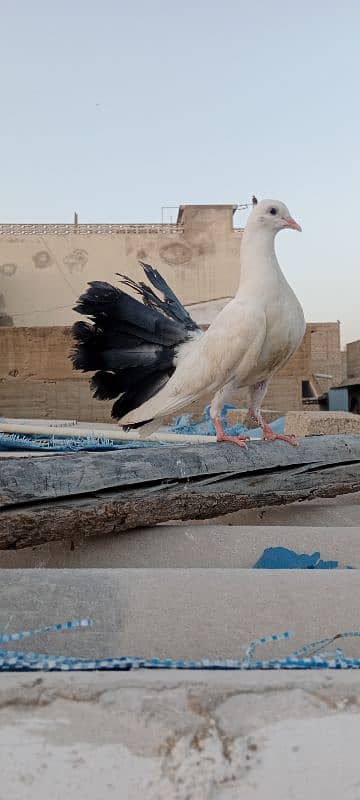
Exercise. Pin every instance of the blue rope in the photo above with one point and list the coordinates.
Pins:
(57, 444)
(307, 657)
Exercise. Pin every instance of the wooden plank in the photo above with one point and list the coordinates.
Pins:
(113, 512)
(27, 480)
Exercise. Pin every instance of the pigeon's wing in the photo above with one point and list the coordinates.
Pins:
(230, 346)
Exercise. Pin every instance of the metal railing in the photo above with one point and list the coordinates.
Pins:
(104, 229)
(94, 229)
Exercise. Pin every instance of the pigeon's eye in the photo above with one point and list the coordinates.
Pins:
(273, 211)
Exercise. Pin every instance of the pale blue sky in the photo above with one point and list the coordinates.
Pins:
(117, 109)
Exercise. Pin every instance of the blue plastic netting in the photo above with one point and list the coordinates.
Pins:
(311, 656)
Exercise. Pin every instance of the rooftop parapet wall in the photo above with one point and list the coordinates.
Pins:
(44, 267)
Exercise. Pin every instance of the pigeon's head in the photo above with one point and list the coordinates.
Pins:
(272, 215)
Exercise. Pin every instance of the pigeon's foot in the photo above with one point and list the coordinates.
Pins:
(270, 436)
(239, 440)
(221, 436)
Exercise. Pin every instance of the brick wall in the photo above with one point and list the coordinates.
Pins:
(353, 359)
(285, 391)
(284, 394)
(37, 380)
(326, 351)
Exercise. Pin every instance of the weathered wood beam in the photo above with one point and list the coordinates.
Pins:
(73, 474)
(116, 511)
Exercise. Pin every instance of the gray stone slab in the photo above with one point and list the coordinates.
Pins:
(179, 613)
(187, 546)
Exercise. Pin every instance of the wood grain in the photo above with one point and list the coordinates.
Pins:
(61, 476)
(202, 495)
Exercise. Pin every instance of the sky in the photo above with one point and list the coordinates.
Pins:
(117, 109)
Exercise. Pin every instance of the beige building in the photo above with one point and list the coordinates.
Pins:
(346, 395)
(353, 360)
(44, 269)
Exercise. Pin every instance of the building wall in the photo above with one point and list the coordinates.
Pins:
(353, 359)
(37, 379)
(326, 351)
(44, 268)
(344, 364)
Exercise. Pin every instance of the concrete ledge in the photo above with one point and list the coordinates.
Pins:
(316, 423)
(179, 613)
(188, 546)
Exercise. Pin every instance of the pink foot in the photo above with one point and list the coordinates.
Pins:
(239, 440)
(221, 436)
(270, 436)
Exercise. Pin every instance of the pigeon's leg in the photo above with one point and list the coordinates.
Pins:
(257, 394)
(215, 414)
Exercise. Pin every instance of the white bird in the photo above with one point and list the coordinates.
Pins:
(155, 359)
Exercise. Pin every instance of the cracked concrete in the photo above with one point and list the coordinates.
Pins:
(171, 736)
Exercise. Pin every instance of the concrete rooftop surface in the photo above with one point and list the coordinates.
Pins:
(166, 736)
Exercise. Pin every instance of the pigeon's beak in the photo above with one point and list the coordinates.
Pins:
(290, 223)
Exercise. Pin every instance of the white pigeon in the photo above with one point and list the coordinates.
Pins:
(155, 359)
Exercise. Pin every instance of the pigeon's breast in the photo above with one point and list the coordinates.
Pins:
(285, 328)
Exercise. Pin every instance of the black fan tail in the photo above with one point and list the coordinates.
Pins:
(130, 345)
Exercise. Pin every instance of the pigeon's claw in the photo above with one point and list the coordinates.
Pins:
(221, 436)
(270, 436)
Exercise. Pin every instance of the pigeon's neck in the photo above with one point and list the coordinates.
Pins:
(258, 257)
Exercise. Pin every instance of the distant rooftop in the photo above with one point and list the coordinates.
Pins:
(184, 212)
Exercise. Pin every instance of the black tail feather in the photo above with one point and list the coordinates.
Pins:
(140, 392)
(173, 303)
(107, 305)
(131, 345)
(136, 425)
(170, 306)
